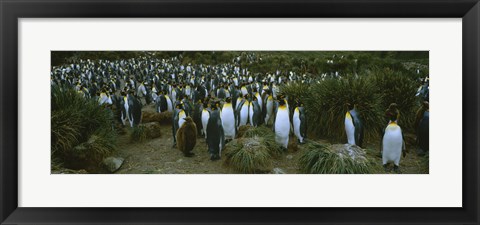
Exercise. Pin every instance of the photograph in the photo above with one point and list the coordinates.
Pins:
(239, 112)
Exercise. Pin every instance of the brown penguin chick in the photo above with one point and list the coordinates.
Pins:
(425, 107)
(392, 113)
(187, 137)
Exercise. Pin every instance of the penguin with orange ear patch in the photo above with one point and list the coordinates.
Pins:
(392, 112)
(187, 137)
(353, 126)
(215, 134)
(392, 144)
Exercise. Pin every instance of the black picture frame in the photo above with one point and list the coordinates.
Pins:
(11, 11)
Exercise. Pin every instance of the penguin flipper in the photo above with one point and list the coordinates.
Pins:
(358, 130)
(404, 148)
(274, 116)
(303, 123)
(381, 141)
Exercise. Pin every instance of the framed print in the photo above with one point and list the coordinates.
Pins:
(239, 112)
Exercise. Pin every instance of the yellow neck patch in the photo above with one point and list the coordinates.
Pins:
(348, 116)
(283, 107)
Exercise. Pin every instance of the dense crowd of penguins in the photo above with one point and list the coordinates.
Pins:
(214, 101)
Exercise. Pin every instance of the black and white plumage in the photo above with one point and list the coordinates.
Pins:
(215, 134)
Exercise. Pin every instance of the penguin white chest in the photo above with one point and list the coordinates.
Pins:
(296, 124)
(250, 113)
(244, 113)
(205, 117)
(228, 121)
(169, 104)
(269, 106)
(392, 144)
(181, 117)
(349, 129)
(282, 126)
(259, 99)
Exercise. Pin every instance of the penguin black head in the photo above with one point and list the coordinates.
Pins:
(392, 117)
(213, 106)
(281, 102)
(228, 100)
(349, 106)
(393, 106)
(179, 105)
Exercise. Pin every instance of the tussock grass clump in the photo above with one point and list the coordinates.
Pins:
(325, 105)
(139, 134)
(267, 137)
(321, 159)
(163, 118)
(399, 88)
(297, 91)
(94, 150)
(248, 155)
(75, 121)
(371, 92)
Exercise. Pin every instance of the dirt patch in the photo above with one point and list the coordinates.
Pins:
(158, 156)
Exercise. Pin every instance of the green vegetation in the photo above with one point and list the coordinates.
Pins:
(267, 138)
(371, 93)
(308, 62)
(248, 155)
(253, 150)
(320, 159)
(81, 130)
(400, 88)
(139, 134)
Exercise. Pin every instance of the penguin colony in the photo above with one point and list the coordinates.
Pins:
(214, 101)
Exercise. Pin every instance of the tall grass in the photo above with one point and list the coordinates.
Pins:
(396, 87)
(75, 121)
(139, 134)
(371, 93)
(267, 138)
(248, 155)
(325, 105)
(320, 159)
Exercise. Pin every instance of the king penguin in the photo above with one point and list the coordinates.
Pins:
(268, 108)
(282, 124)
(187, 137)
(228, 119)
(243, 111)
(392, 144)
(256, 111)
(300, 123)
(161, 104)
(205, 117)
(134, 110)
(215, 135)
(197, 115)
(353, 126)
(178, 120)
(423, 129)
